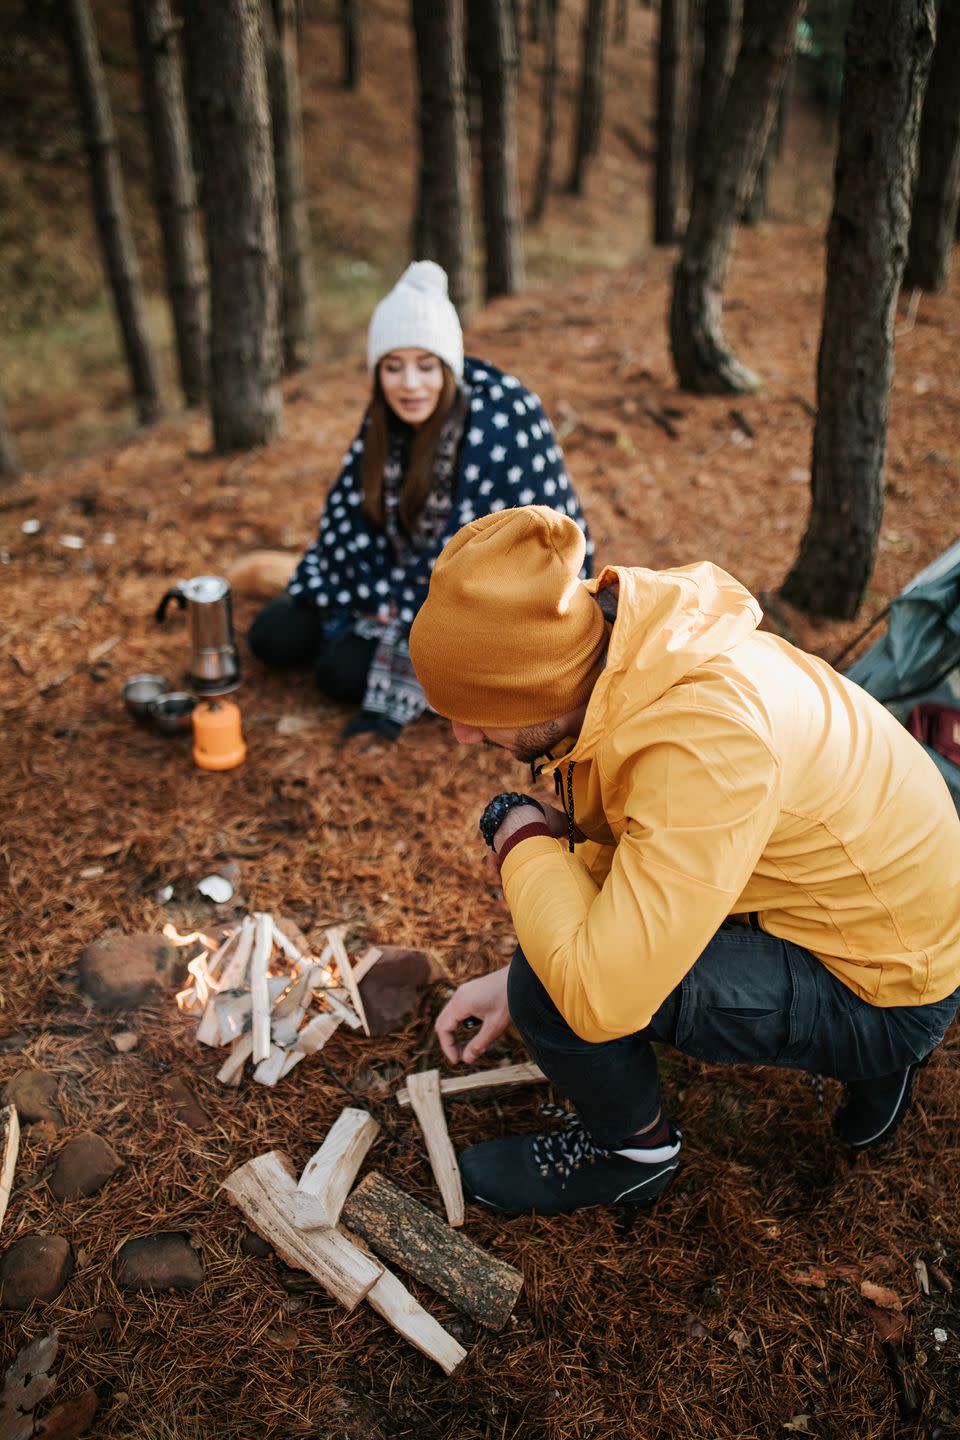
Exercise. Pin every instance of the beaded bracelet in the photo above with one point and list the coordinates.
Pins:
(499, 807)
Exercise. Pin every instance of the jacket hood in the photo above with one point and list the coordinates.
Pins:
(668, 623)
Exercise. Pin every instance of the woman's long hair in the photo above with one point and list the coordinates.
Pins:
(421, 456)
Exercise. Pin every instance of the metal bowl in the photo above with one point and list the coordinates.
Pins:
(173, 712)
(139, 693)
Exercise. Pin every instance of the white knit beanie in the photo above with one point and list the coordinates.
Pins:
(417, 314)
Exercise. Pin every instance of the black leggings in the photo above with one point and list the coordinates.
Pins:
(286, 633)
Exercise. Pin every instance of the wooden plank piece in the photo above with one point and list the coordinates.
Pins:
(312, 1038)
(335, 941)
(391, 1299)
(366, 963)
(407, 1234)
(526, 1074)
(329, 1173)
(263, 1190)
(424, 1089)
(259, 989)
(11, 1147)
(234, 973)
(232, 1068)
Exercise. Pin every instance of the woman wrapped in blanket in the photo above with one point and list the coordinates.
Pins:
(445, 439)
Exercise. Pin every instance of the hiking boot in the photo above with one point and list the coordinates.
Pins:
(557, 1171)
(873, 1109)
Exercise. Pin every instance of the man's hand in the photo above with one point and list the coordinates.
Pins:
(486, 1000)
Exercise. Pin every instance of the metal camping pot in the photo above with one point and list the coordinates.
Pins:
(215, 661)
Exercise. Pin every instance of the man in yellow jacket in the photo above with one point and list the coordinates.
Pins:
(751, 861)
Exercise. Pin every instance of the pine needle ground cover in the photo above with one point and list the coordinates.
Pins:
(775, 1289)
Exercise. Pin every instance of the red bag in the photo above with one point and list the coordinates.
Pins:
(939, 727)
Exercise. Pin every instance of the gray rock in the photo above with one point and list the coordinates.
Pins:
(123, 971)
(84, 1165)
(35, 1267)
(159, 1262)
(391, 989)
(34, 1093)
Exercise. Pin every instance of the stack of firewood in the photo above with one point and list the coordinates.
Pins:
(272, 1003)
(301, 1220)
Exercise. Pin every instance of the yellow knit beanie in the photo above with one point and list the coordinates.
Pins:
(508, 635)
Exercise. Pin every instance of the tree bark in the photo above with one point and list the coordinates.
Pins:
(590, 108)
(621, 22)
(175, 190)
(721, 41)
(9, 459)
(755, 209)
(548, 110)
(280, 36)
(110, 207)
(226, 73)
(407, 1234)
(350, 29)
(495, 56)
(703, 360)
(671, 187)
(935, 202)
(889, 44)
(442, 229)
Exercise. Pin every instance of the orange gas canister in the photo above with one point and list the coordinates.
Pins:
(218, 742)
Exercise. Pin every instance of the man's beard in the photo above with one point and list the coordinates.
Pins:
(536, 740)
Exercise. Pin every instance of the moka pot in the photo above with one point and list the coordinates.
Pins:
(215, 661)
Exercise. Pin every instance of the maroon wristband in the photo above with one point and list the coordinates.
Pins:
(536, 827)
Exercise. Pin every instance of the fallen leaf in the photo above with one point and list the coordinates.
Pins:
(696, 1330)
(813, 1276)
(942, 1279)
(70, 1418)
(800, 1423)
(880, 1295)
(890, 1328)
(923, 1279)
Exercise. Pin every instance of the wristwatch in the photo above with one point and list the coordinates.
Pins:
(496, 812)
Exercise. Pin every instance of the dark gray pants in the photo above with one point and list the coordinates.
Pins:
(751, 999)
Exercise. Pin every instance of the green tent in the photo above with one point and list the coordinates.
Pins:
(918, 659)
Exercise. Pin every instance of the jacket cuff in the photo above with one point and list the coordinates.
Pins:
(536, 827)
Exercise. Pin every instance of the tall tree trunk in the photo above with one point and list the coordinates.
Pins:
(755, 209)
(226, 73)
(590, 110)
(889, 44)
(621, 22)
(721, 41)
(175, 190)
(548, 109)
(703, 360)
(350, 28)
(443, 219)
(935, 202)
(9, 459)
(110, 207)
(536, 18)
(495, 56)
(280, 36)
(670, 187)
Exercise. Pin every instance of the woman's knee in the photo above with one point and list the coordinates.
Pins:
(285, 633)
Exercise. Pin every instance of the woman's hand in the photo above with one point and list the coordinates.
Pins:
(483, 999)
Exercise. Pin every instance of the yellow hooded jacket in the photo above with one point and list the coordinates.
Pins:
(721, 771)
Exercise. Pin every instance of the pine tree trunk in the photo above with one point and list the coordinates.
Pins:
(703, 360)
(590, 110)
(175, 190)
(670, 188)
(935, 202)
(889, 44)
(110, 207)
(443, 219)
(496, 61)
(548, 110)
(621, 23)
(721, 40)
(226, 73)
(280, 37)
(9, 459)
(350, 29)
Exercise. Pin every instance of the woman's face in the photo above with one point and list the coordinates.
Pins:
(411, 381)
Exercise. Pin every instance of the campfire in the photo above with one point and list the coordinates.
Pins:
(258, 993)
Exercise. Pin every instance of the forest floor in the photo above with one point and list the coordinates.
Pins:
(733, 1310)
